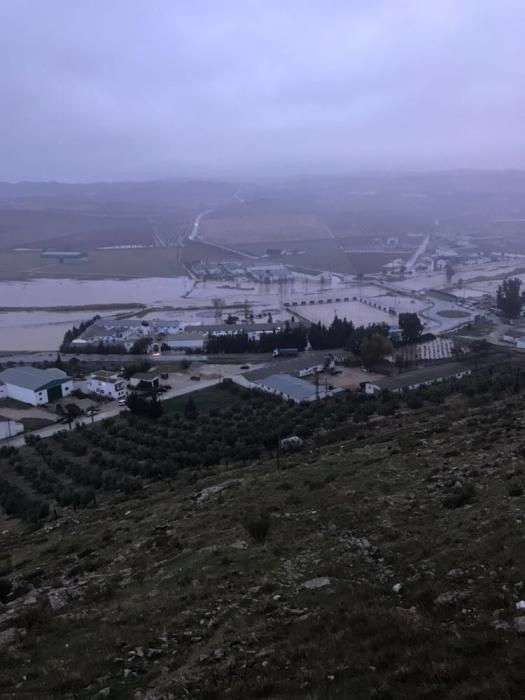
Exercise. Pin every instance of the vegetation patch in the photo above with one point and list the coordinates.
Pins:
(453, 313)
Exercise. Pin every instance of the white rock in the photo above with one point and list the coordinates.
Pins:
(520, 605)
(397, 587)
(315, 583)
(519, 624)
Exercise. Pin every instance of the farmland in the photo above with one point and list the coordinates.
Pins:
(262, 227)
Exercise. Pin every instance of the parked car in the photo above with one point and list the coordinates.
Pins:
(194, 378)
(245, 366)
(122, 402)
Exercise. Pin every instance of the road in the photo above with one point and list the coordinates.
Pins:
(195, 230)
(112, 410)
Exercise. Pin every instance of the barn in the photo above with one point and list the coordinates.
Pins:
(34, 386)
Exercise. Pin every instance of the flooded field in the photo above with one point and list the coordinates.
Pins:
(37, 330)
(192, 302)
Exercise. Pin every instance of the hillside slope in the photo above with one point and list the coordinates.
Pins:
(392, 567)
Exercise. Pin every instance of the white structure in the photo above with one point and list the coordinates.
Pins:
(184, 341)
(419, 377)
(291, 443)
(107, 384)
(10, 428)
(35, 386)
(124, 332)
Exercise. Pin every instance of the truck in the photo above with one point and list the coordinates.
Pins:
(285, 352)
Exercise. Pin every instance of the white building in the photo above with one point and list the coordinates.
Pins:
(107, 384)
(184, 341)
(34, 386)
(416, 378)
(10, 428)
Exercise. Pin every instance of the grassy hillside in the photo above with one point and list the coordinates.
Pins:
(385, 560)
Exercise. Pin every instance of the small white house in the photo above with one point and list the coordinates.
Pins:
(106, 384)
(35, 386)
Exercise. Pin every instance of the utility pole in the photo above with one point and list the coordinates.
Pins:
(278, 451)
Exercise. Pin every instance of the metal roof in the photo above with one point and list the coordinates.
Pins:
(297, 389)
(420, 376)
(281, 365)
(32, 377)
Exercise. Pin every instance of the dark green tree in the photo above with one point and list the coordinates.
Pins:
(411, 327)
(190, 409)
(508, 297)
(375, 348)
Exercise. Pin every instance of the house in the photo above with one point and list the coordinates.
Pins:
(9, 428)
(34, 386)
(419, 377)
(106, 384)
(146, 380)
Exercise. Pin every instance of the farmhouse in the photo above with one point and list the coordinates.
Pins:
(34, 386)
(106, 384)
(419, 377)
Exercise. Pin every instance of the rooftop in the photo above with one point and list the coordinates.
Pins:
(287, 366)
(32, 377)
(419, 376)
(104, 376)
(296, 388)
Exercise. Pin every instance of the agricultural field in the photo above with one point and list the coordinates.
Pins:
(121, 263)
(258, 224)
(71, 229)
(329, 573)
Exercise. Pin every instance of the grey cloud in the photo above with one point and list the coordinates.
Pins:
(141, 88)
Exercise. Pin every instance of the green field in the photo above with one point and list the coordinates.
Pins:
(453, 313)
(212, 398)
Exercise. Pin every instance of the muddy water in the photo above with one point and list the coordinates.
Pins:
(44, 330)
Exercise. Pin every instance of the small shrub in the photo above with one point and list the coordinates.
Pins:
(259, 527)
(461, 496)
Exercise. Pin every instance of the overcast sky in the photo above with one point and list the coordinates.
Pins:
(106, 89)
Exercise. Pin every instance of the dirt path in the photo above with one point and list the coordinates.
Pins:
(20, 413)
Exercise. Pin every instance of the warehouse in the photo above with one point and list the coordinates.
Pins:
(34, 386)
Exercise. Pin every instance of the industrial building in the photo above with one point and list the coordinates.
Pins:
(34, 386)
(417, 378)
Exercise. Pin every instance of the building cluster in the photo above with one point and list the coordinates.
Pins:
(163, 334)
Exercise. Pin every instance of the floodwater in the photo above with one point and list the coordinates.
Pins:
(44, 330)
(38, 330)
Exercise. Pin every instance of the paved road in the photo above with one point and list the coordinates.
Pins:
(112, 409)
